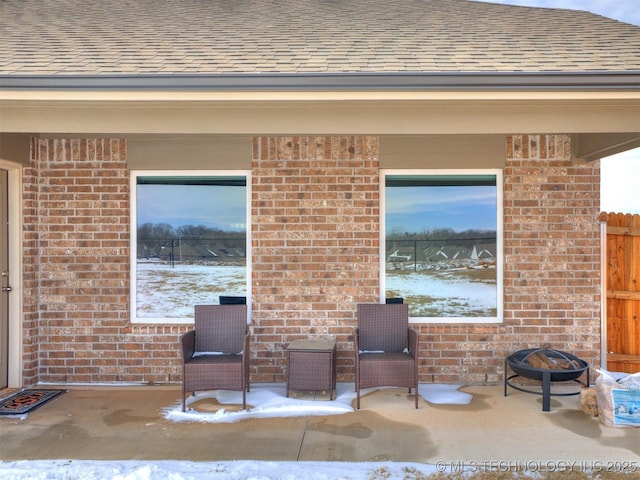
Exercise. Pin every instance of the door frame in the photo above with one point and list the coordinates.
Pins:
(14, 170)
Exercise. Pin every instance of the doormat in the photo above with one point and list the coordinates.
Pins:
(27, 400)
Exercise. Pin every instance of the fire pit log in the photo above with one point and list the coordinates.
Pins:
(541, 360)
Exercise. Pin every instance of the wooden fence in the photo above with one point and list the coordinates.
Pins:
(623, 291)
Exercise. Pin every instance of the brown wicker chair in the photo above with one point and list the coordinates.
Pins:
(386, 348)
(215, 355)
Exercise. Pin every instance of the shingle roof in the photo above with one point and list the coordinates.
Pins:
(160, 37)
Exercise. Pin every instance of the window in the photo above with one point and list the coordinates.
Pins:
(441, 245)
(189, 242)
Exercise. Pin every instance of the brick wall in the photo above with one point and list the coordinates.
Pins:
(315, 243)
(315, 247)
(76, 270)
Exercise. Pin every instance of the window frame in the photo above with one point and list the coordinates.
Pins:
(133, 294)
(384, 173)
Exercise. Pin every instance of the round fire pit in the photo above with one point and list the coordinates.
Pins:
(545, 365)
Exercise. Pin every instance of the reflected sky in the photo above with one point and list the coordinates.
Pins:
(416, 209)
(217, 206)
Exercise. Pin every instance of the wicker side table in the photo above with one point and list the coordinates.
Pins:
(312, 365)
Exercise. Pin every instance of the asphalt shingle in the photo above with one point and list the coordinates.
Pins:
(94, 37)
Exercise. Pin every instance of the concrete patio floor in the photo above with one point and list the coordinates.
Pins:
(127, 423)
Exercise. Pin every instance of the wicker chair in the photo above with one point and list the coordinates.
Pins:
(215, 355)
(386, 348)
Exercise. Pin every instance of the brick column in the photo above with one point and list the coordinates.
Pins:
(77, 257)
(315, 241)
(552, 246)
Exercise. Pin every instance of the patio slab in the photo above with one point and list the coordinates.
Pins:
(118, 423)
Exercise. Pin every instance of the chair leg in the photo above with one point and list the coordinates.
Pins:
(183, 400)
(244, 399)
(416, 394)
(357, 397)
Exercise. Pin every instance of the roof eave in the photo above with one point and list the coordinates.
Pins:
(403, 81)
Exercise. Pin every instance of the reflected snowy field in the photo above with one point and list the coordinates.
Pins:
(171, 292)
(444, 295)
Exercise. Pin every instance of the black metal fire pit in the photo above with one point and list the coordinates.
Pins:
(569, 369)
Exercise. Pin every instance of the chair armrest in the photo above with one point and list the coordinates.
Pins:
(356, 339)
(356, 346)
(413, 342)
(188, 341)
(245, 349)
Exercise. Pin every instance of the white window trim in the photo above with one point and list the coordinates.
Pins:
(134, 174)
(499, 318)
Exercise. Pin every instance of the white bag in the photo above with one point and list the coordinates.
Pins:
(618, 396)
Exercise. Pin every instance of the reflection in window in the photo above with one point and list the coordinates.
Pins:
(442, 245)
(189, 243)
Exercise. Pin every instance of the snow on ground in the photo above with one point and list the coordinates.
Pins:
(269, 400)
(266, 400)
(232, 470)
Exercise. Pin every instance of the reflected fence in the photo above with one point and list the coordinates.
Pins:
(193, 249)
(424, 253)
